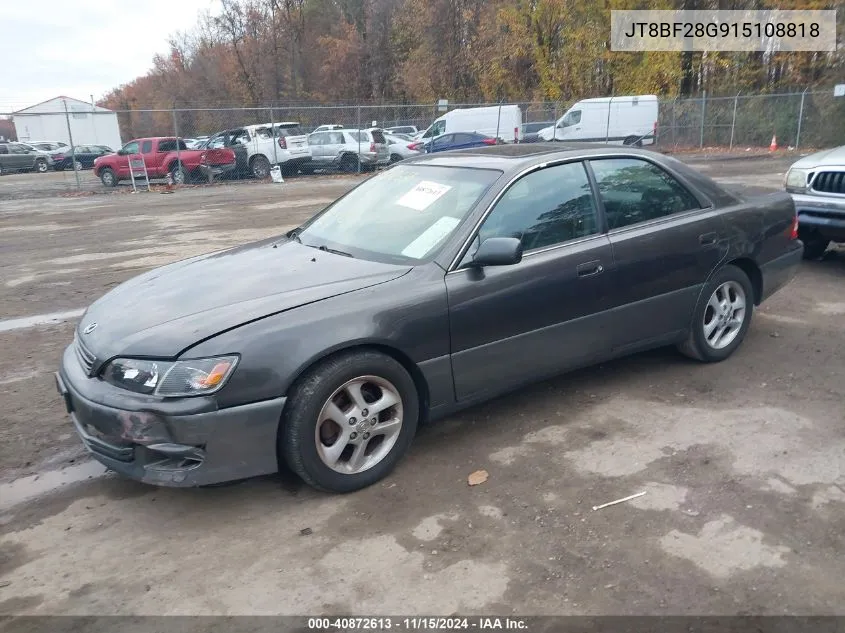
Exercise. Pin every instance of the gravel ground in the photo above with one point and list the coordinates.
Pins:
(743, 462)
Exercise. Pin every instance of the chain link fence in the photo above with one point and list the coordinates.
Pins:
(798, 120)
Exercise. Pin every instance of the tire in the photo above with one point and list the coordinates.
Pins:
(2, 170)
(633, 140)
(306, 446)
(395, 158)
(260, 167)
(730, 282)
(814, 245)
(179, 174)
(77, 165)
(41, 166)
(306, 170)
(108, 177)
(349, 164)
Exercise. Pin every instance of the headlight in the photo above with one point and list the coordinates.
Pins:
(796, 180)
(195, 377)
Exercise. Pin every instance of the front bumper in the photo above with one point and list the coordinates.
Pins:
(170, 442)
(825, 214)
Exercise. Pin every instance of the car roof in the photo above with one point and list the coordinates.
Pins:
(513, 158)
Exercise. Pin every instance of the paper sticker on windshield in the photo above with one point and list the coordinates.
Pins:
(423, 195)
(421, 246)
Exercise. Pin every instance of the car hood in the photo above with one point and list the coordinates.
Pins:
(167, 310)
(829, 157)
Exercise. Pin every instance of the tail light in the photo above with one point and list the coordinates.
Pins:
(283, 143)
(372, 148)
(415, 146)
(203, 157)
(489, 141)
(516, 135)
(58, 156)
(793, 230)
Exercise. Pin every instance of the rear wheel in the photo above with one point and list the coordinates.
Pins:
(722, 317)
(349, 420)
(814, 244)
(108, 177)
(395, 158)
(179, 174)
(260, 167)
(41, 166)
(77, 165)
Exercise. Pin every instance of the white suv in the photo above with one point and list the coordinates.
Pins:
(266, 145)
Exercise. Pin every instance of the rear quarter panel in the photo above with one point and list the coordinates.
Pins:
(758, 227)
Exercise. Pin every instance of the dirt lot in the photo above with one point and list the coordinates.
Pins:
(744, 461)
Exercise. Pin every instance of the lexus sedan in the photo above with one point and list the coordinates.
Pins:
(441, 282)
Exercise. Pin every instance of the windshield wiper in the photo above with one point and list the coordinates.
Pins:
(294, 235)
(333, 250)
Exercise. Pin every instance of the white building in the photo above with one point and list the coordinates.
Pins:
(47, 121)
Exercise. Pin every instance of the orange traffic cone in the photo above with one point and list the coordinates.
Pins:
(774, 144)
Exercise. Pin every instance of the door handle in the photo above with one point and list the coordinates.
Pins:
(589, 269)
(707, 239)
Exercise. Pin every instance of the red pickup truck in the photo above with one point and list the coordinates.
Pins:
(162, 156)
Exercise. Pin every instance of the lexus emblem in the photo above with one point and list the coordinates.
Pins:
(90, 328)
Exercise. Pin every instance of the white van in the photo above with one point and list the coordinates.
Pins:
(502, 122)
(628, 120)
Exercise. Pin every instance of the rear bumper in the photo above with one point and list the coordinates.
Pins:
(216, 170)
(781, 270)
(156, 446)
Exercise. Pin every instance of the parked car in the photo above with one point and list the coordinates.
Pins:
(530, 131)
(502, 122)
(49, 146)
(449, 142)
(80, 157)
(266, 145)
(437, 284)
(345, 149)
(326, 128)
(399, 147)
(229, 139)
(163, 156)
(817, 186)
(197, 142)
(402, 129)
(43, 165)
(16, 157)
(624, 120)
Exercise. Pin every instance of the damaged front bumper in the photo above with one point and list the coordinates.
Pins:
(169, 442)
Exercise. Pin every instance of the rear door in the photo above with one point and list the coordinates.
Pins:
(666, 243)
(442, 143)
(155, 155)
(317, 143)
(548, 313)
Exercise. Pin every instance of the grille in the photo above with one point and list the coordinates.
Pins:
(85, 357)
(830, 182)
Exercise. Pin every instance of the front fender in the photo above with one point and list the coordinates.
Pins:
(408, 314)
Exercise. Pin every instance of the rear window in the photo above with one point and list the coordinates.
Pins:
(170, 145)
(363, 137)
(288, 130)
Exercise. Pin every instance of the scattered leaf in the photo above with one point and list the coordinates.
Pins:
(478, 477)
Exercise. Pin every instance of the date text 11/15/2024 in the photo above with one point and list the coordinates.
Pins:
(417, 624)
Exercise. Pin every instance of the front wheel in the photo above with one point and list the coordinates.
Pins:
(41, 166)
(395, 158)
(722, 316)
(108, 178)
(349, 420)
(260, 167)
(349, 164)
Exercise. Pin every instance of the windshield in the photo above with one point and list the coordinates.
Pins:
(402, 215)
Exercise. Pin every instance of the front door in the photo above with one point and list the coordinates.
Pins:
(665, 245)
(122, 159)
(514, 324)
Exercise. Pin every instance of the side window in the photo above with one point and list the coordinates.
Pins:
(217, 142)
(545, 208)
(443, 141)
(163, 146)
(438, 128)
(147, 147)
(4, 149)
(335, 138)
(315, 138)
(572, 118)
(131, 148)
(635, 190)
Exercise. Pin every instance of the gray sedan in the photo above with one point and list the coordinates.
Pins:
(437, 284)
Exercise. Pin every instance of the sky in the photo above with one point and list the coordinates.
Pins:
(83, 47)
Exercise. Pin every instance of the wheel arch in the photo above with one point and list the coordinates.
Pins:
(387, 349)
(750, 268)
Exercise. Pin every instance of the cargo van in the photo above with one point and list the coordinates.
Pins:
(502, 122)
(630, 120)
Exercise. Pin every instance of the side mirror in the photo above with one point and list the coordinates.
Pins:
(120, 152)
(498, 251)
(561, 125)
